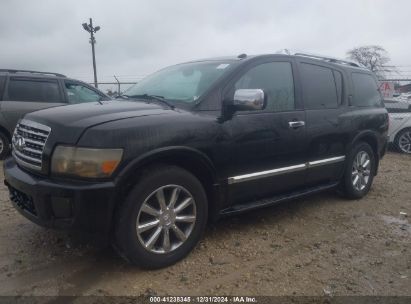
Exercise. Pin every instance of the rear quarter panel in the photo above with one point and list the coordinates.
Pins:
(372, 122)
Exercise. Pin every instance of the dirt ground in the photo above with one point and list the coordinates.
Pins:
(322, 245)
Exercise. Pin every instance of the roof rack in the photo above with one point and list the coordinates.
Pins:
(32, 72)
(331, 59)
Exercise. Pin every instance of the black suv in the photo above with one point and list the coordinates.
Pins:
(198, 141)
(23, 91)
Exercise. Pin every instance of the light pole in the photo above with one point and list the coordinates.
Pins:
(92, 30)
(118, 84)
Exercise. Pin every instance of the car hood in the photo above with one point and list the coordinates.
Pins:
(69, 122)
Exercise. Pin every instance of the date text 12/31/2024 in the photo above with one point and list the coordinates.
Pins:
(203, 299)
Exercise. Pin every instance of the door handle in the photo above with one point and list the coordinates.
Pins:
(296, 124)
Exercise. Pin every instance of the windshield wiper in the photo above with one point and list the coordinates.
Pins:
(122, 96)
(153, 97)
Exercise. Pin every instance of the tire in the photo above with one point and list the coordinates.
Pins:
(357, 180)
(403, 141)
(137, 247)
(4, 146)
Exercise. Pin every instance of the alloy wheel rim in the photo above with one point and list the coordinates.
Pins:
(405, 142)
(166, 219)
(361, 170)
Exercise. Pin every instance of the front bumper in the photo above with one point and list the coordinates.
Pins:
(83, 206)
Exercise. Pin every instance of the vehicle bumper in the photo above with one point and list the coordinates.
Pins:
(84, 206)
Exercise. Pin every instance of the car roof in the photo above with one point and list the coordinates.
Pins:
(30, 73)
(42, 75)
(36, 74)
(336, 62)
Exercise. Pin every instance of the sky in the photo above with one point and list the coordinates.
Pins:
(139, 37)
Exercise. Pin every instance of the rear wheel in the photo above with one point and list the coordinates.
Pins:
(403, 141)
(162, 219)
(4, 146)
(359, 171)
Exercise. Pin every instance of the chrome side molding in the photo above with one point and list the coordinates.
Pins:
(284, 170)
(325, 161)
(262, 174)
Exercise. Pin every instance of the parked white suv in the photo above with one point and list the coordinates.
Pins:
(400, 125)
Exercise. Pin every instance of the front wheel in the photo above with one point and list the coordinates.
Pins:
(162, 219)
(4, 146)
(359, 171)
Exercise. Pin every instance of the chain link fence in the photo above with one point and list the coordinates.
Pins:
(113, 88)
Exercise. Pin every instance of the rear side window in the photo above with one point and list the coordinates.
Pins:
(2, 81)
(276, 79)
(366, 93)
(33, 90)
(319, 87)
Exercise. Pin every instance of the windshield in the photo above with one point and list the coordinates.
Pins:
(181, 83)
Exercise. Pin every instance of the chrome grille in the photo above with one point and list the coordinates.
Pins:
(29, 139)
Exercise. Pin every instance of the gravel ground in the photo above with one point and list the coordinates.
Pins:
(322, 245)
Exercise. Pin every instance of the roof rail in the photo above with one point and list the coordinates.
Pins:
(32, 72)
(330, 59)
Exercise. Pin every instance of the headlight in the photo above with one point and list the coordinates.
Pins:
(85, 162)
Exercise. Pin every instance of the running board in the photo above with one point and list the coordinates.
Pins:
(275, 200)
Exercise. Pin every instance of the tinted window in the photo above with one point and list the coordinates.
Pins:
(33, 90)
(276, 79)
(366, 93)
(78, 93)
(319, 87)
(2, 81)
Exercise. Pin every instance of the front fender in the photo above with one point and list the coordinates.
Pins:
(168, 153)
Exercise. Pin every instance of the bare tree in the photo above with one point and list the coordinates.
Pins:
(373, 57)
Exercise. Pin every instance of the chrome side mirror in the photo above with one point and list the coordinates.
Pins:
(249, 99)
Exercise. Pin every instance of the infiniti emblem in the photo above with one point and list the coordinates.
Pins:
(19, 142)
